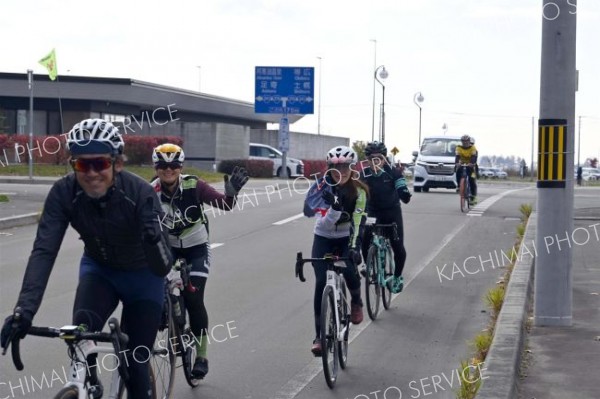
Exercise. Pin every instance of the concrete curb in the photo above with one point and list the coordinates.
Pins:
(502, 364)
(26, 180)
(20, 220)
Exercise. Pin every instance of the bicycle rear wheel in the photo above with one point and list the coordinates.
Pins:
(372, 291)
(344, 312)
(162, 362)
(67, 393)
(388, 272)
(329, 347)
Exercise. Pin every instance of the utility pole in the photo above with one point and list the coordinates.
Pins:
(319, 110)
(553, 278)
(373, 106)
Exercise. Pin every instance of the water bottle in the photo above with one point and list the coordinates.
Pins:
(176, 305)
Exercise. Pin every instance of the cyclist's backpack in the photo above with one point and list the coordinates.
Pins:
(314, 201)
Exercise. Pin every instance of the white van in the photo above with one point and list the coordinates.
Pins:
(434, 166)
(295, 166)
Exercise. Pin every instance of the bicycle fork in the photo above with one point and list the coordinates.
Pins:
(334, 281)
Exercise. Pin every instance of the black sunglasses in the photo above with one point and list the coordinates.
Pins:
(168, 165)
(86, 164)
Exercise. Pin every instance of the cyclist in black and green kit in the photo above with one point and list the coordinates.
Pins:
(387, 187)
(338, 202)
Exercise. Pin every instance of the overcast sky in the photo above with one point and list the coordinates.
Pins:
(476, 62)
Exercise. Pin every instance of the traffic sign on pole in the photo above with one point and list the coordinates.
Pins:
(284, 135)
(284, 90)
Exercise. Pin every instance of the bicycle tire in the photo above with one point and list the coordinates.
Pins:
(344, 313)
(372, 292)
(329, 337)
(163, 360)
(464, 200)
(188, 357)
(122, 388)
(67, 393)
(386, 290)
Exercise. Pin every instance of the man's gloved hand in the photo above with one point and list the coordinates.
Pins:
(332, 200)
(354, 254)
(235, 182)
(14, 326)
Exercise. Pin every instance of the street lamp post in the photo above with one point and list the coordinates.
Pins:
(319, 115)
(418, 99)
(445, 128)
(373, 106)
(383, 74)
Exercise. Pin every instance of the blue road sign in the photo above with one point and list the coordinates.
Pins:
(284, 90)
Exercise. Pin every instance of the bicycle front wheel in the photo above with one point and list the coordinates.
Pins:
(329, 347)
(122, 389)
(372, 291)
(344, 312)
(163, 358)
(464, 196)
(189, 356)
(388, 273)
(67, 393)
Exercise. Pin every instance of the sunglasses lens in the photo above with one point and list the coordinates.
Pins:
(167, 165)
(85, 164)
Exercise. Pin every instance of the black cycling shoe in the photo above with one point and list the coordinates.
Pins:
(200, 368)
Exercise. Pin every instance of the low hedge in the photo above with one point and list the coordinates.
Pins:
(255, 167)
(312, 166)
(52, 149)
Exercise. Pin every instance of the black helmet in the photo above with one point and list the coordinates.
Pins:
(375, 147)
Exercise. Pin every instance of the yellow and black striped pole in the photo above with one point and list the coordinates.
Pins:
(552, 153)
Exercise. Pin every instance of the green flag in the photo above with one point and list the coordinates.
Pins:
(49, 62)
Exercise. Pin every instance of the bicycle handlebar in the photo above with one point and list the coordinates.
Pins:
(300, 261)
(116, 337)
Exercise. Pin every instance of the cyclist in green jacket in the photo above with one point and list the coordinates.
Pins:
(338, 202)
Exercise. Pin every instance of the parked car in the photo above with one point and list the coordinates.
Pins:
(499, 173)
(590, 174)
(486, 173)
(295, 166)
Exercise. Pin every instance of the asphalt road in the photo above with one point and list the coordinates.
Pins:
(263, 315)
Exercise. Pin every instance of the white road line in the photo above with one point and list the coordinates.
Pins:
(479, 209)
(293, 387)
(284, 221)
(216, 245)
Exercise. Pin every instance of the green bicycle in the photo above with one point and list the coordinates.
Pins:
(379, 267)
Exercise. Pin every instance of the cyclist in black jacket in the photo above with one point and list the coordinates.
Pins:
(387, 187)
(126, 253)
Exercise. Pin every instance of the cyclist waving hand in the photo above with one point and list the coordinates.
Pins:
(338, 202)
(182, 197)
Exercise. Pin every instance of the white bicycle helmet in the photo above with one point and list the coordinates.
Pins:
(95, 136)
(340, 155)
(168, 153)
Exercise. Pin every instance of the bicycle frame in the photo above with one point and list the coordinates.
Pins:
(466, 194)
(334, 280)
(78, 379)
(383, 245)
